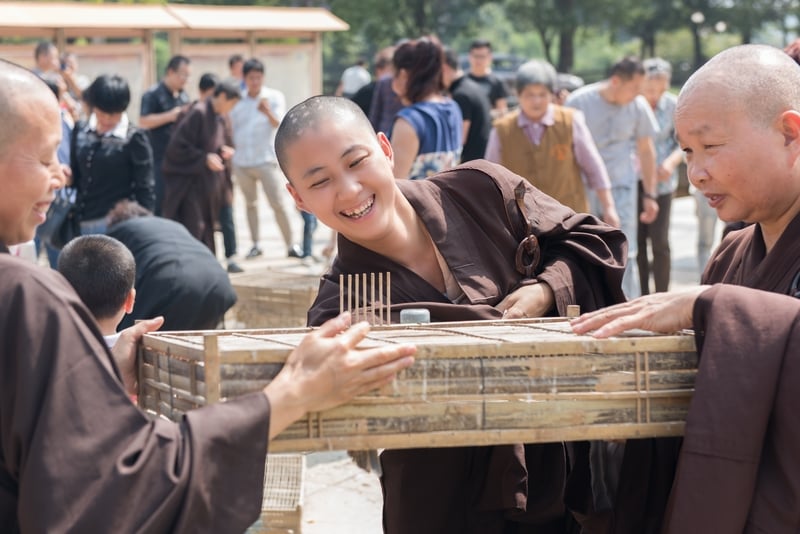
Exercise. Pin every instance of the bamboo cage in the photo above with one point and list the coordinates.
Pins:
(282, 505)
(271, 299)
(473, 383)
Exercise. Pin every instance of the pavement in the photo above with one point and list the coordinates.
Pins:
(339, 497)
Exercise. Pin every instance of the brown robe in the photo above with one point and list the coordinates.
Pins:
(741, 449)
(649, 479)
(471, 215)
(193, 193)
(77, 456)
(739, 468)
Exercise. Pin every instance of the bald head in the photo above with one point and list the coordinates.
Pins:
(20, 92)
(758, 80)
(305, 117)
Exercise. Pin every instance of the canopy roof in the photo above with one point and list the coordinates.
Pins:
(84, 19)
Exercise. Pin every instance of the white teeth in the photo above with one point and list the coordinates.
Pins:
(360, 211)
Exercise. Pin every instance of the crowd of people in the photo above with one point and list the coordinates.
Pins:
(478, 211)
(179, 161)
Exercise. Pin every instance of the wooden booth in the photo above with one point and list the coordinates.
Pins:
(120, 39)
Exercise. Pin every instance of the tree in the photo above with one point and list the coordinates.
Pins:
(551, 19)
(748, 16)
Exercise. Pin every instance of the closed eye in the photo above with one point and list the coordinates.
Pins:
(320, 183)
(356, 162)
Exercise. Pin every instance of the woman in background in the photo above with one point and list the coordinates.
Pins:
(426, 135)
(111, 158)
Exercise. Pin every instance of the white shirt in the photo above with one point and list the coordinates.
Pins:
(253, 135)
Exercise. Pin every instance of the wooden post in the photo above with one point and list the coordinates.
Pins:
(211, 346)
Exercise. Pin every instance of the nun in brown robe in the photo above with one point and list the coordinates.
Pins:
(477, 224)
(739, 468)
(193, 192)
(77, 456)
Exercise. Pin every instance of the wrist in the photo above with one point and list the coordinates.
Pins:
(650, 196)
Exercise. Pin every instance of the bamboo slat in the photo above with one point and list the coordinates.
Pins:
(474, 383)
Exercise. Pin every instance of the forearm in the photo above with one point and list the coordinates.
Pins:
(647, 160)
(154, 120)
(672, 161)
(606, 200)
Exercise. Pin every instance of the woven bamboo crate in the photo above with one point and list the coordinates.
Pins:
(271, 299)
(473, 383)
(282, 506)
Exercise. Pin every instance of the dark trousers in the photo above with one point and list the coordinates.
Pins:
(309, 225)
(228, 230)
(657, 235)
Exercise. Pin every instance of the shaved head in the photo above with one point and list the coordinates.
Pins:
(20, 89)
(758, 80)
(305, 117)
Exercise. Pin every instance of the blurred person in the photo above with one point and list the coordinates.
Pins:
(353, 78)
(177, 276)
(47, 64)
(655, 89)
(102, 271)
(426, 134)
(206, 86)
(195, 164)
(46, 58)
(623, 127)
(77, 454)
(161, 106)
(111, 158)
(476, 110)
(235, 64)
(382, 68)
(255, 120)
(76, 82)
(549, 145)
(480, 71)
(565, 84)
(385, 102)
(43, 232)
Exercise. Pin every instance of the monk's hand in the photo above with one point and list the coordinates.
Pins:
(124, 350)
(226, 152)
(214, 162)
(326, 370)
(528, 301)
(658, 312)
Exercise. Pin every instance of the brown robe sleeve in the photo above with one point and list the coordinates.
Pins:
(739, 468)
(77, 456)
(190, 143)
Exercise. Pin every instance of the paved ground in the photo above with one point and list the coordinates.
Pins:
(340, 498)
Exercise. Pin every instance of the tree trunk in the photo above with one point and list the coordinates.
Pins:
(699, 57)
(566, 36)
(547, 45)
(566, 49)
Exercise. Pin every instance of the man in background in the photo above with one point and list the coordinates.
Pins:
(255, 119)
(383, 67)
(476, 109)
(480, 71)
(161, 106)
(623, 127)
